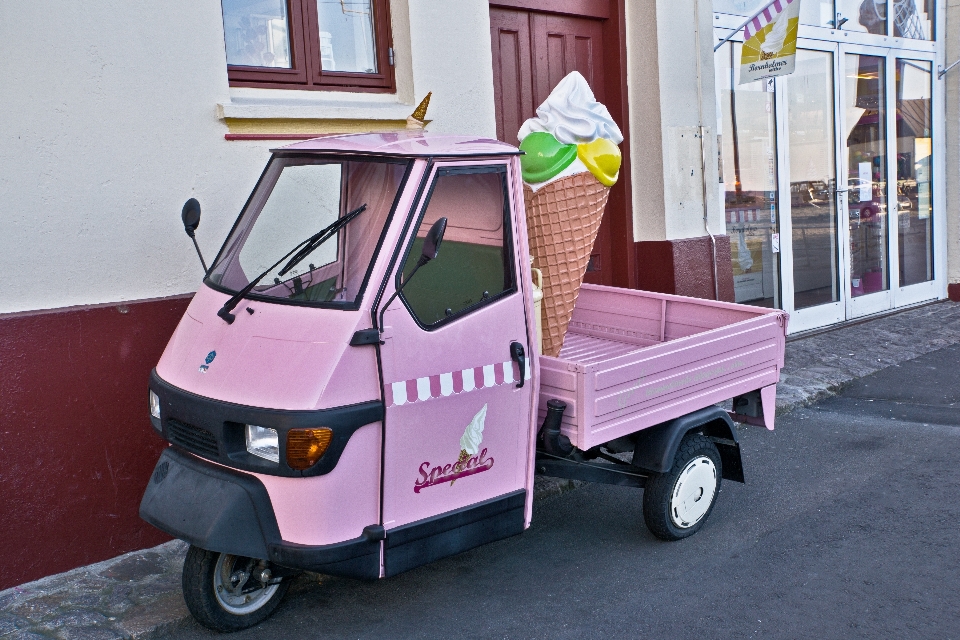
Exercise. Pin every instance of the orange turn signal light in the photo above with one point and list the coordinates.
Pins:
(306, 446)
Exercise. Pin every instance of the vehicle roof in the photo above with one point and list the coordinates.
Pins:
(404, 143)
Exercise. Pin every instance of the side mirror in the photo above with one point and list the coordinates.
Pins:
(431, 247)
(190, 216)
(431, 243)
(191, 220)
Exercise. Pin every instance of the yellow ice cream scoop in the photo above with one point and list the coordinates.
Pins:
(603, 159)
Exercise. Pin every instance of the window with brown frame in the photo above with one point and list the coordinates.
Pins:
(309, 44)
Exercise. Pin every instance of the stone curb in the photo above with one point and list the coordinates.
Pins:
(137, 596)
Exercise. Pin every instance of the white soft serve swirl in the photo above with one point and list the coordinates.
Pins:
(473, 436)
(573, 115)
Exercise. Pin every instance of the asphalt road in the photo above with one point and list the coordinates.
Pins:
(848, 527)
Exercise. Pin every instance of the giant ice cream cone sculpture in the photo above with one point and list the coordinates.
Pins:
(570, 162)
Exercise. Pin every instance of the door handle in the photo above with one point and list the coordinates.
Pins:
(518, 355)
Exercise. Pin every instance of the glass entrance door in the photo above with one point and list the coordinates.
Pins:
(865, 168)
(858, 148)
(830, 177)
(813, 246)
(747, 122)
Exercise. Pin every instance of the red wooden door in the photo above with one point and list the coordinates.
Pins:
(532, 52)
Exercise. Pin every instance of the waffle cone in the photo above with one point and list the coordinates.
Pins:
(563, 219)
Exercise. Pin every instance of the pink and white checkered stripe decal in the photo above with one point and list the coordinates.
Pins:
(767, 15)
(454, 382)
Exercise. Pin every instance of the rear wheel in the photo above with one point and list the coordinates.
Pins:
(228, 593)
(677, 503)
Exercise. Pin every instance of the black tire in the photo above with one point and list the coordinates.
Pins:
(673, 520)
(200, 587)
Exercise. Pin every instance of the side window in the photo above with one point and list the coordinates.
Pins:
(475, 263)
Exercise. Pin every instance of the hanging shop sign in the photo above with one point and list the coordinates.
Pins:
(770, 41)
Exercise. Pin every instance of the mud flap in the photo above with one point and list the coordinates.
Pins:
(758, 408)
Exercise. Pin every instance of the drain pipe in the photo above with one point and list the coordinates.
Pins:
(703, 151)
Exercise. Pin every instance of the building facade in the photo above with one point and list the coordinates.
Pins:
(833, 178)
(826, 193)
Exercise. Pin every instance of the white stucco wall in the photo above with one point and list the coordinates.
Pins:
(110, 121)
(662, 71)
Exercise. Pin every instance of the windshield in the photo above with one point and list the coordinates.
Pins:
(298, 199)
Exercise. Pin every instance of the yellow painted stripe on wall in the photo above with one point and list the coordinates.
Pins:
(267, 126)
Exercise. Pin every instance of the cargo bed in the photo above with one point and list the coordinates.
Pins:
(634, 359)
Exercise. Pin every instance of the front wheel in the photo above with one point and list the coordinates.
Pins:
(228, 593)
(677, 503)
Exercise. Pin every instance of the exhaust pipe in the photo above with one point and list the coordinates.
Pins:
(549, 438)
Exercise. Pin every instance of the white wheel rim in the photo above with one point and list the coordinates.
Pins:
(230, 597)
(694, 492)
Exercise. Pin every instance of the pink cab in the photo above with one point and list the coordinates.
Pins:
(356, 390)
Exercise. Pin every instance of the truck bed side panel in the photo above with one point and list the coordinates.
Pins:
(633, 359)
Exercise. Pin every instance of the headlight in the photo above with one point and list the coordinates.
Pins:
(154, 405)
(263, 442)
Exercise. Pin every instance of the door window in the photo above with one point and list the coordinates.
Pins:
(748, 180)
(914, 169)
(866, 122)
(813, 184)
(474, 264)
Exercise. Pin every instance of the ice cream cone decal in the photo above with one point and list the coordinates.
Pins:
(418, 119)
(570, 161)
(470, 440)
(472, 459)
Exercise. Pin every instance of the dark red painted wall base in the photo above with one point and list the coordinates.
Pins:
(685, 267)
(953, 292)
(76, 445)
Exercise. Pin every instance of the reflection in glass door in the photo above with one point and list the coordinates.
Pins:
(865, 137)
(813, 202)
(748, 177)
(914, 166)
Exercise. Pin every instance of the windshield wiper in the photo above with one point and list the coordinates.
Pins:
(302, 250)
(319, 238)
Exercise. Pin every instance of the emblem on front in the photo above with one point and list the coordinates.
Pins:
(207, 361)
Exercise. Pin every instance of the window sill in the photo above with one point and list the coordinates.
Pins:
(268, 114)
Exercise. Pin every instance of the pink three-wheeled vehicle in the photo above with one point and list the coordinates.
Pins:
(357, 390)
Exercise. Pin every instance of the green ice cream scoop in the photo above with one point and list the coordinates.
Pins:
(544, 157)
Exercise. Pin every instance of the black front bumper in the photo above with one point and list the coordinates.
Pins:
(219, 509)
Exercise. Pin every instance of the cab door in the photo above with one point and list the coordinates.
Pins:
(457, 402)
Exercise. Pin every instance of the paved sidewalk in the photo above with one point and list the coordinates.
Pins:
(820, 365)
(137, 595)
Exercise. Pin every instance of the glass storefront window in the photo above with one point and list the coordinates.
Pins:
(865, 16)
(913, 19)
(737, 7)
(866, 173)
(816, 12)
(748, 179)
(813, 202)
(914, 169)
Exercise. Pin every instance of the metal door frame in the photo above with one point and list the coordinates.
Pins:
(839, 43)
(831, 312)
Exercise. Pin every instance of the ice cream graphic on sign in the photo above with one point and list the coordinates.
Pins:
(472, 458)
(570, 161)
(770, 41)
